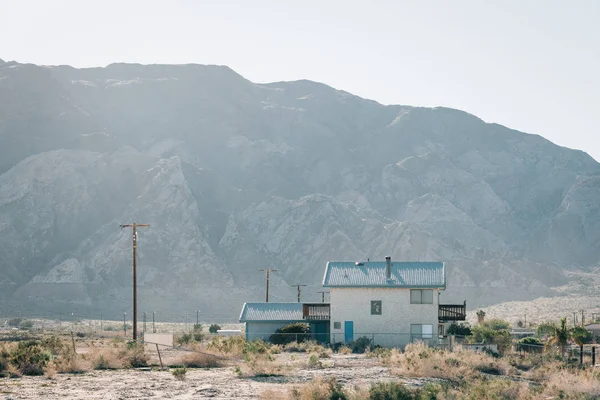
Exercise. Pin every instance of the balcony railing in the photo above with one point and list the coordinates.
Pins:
(316, 312)
(452, 312)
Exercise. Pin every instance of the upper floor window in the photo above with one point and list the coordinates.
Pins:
(421, 296)
(375, 307)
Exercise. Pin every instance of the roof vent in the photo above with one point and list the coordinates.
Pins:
(388, 268)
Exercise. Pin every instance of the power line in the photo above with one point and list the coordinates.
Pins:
(134, 226)
(268, 271)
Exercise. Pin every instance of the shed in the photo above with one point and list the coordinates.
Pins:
(262, 319)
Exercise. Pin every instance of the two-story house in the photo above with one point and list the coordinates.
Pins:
(391, 303)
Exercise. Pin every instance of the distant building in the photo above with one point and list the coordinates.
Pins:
(594, 328)
(390, 303)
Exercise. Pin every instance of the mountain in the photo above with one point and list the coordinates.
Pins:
(235, 176)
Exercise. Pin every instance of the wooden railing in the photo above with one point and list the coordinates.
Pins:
(316, 311)
(452, 312)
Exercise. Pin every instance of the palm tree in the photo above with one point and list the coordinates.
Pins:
(561, 336)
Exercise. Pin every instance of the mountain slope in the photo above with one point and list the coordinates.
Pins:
(235, 176)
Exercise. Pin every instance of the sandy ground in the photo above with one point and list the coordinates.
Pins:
(217, 383)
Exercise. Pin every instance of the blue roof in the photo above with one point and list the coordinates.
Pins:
(271, 312)
(372, 274)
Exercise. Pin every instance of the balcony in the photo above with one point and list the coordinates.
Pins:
(452, 312)
(316, 311)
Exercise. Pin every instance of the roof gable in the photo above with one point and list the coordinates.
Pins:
(372, 274)
(271, 312)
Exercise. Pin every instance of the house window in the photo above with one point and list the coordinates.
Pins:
(337, 325)
(421, 331)
(421, 296)
(375, 307)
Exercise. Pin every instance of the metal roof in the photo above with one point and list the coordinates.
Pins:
(271, 312)
(372, 274)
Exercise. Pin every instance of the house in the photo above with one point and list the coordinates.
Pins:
(263, 319)
(594, 329)
(391, 303)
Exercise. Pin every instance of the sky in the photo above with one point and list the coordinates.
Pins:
(530, 65)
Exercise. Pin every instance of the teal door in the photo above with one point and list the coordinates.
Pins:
(348, 331)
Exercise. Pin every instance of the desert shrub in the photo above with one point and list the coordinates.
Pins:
(530, 345)
(80, 334)
(295, 347)
(26, 325)
(296, 332)
(314, 347)
(198, 328)
(185, 338)
(360, 345)
(261, 365)
(319, 389)
(459, 329)
(214, 328)
(234, 345)
(15, 322)
(111, 328)
(314, 362)
(397, 391)
(198, 337)
(71, 363)
(345, 350)
(134, 356)
(179, 373)
(108, 358)
(30, 358)
(53, 344)
(199, 360)
(3, 364)
(491, 332)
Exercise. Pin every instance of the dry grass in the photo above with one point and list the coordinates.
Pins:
(199, 360)
(344, 350)
(317, 389)
(260, 365)
(419, 360)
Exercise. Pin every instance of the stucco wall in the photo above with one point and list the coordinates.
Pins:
(392, 327)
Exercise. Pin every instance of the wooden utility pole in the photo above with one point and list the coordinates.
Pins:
(582, 319)
(323, 296)
(298, 286)
(268, 271)
(134, 226)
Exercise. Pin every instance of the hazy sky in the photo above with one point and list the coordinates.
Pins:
(530, 65)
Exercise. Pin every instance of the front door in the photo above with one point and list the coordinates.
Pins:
(348, 331)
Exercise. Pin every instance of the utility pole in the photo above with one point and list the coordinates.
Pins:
(268, 271)
(124, 325)
(298, 286)
(153, 326)
(144, 323)
(525, 325)
(582, 318)
(323, 296)
(574, 319)
(197, 320)
(134, 226)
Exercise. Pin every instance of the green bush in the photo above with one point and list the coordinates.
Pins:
(53, 344)
(214, 328)
(186, 338)
(360, 345)
(530, 345)
(30, 358)
(179, 373)
(26, 325)
(459, 329)
(296, 332)
(198, 328)
(396, 391)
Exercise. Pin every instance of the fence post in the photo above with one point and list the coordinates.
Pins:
(451, 342)
(593, 356)
(581, 355)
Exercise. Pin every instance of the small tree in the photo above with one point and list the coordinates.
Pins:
(459, 329)
(530, 345)
(581, 336)
(214, 328)
(480, 316)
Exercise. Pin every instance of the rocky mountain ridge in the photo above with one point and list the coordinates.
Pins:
(234, 176)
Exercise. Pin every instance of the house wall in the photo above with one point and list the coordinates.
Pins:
(392, 327)
(263, 330)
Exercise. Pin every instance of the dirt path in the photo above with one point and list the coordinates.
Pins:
(218, 383)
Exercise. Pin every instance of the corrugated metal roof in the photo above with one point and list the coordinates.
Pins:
(271, 312)
(372, 274)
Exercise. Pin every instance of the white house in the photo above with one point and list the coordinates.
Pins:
(391, 303)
